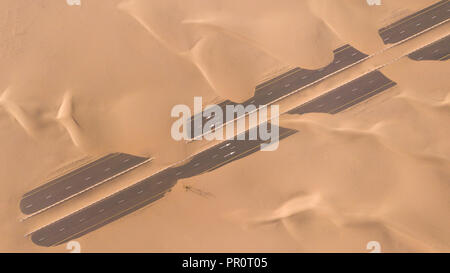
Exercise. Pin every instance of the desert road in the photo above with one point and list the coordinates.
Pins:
(416, 23)
(287, 83)
(437, 51)
(293, 80)
(144, 192)
(79, 180)
(155, 187)
(346, 95)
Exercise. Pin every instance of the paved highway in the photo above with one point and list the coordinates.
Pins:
(156, 186)
(79, 180)
(144, 192)
(416, 23)
(347, 95)
(437, 51)
(287, 83)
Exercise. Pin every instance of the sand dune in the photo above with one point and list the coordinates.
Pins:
(376, 172)
(18, 114)
(289, 208)
(67, 120)
(245, 52)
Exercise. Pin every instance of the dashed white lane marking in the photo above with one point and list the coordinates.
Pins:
(107, 169)
(68, 187)
(229, 154)
(121, 201)
(82, 219)
(29, 206)
(304, 77)
(159, 183)
(354, 89)
(433, 17)
(178, 173)
(214, 156)
(418, 24)
(420, 58)
(87, 178)
(270, 93)
(387, 39)
(338, 97)
(252, 101)
(139, 192)
(337, 61)
(196, 164)
(287, 85)
(61, 229)
(320, 106)
(48, 196)
(101, 210)
(401, 32)
(126, 160)
(354, 54)
(436, 51)
(41, 239)
(226, 145)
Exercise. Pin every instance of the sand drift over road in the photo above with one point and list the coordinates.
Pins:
(101, 78)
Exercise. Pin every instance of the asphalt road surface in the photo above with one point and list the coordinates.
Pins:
(284, 84)
(416, 23)
(155, 187)
(145, 191)
(437, 51)
(347, 95)
(77, 181)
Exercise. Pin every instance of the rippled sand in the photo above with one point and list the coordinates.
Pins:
(103, 77)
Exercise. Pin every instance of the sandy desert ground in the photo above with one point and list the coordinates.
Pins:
(79, 81)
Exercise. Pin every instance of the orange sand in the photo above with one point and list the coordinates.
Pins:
(103, 77)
